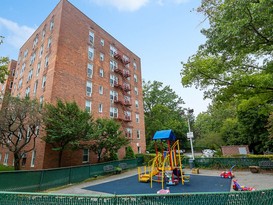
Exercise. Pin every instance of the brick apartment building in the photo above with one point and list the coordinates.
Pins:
(70, 57)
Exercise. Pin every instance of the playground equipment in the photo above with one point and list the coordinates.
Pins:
(237, 187)
(228, 174)
(166, 166)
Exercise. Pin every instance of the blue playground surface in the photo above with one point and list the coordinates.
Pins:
(130, 185)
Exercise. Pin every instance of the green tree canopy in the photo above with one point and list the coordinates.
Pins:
(163, 110)
(3, 64)
(236, 59)
(66, 126)
(107, 139)
(19, 127)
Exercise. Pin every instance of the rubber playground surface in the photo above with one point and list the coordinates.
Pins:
(130, 185)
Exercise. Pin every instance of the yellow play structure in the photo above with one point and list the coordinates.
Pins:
(166, 166)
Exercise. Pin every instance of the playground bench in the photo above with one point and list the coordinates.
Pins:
(109, 168)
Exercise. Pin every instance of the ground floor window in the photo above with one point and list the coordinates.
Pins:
(85, 156)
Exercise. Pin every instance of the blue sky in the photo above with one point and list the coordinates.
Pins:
(161, 32)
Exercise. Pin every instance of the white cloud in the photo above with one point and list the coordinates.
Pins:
(15, 34)
(163, 2)
(123, 5)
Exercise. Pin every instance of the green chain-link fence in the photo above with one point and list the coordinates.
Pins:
(264, 197)
(28, 181)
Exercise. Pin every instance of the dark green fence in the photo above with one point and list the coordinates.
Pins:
(225, 162)
(264, 197)
(28, 181)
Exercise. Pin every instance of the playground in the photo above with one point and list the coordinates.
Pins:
(165, 174)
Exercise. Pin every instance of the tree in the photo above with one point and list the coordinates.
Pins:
(236, 62)
(236, 59)
(3, 65)
(66, 126)
(107, 139)
(162, 110)
(155, 94)
(19, 126)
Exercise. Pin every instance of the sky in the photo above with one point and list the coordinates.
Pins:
(163, 33)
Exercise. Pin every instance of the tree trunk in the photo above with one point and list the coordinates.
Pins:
(60, 157)
(17, 164)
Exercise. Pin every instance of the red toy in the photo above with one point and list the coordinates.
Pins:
(238, 187)
(227, 174)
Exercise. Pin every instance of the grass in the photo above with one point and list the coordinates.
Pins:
(4, 168)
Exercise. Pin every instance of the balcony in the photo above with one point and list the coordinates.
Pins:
(121, 59)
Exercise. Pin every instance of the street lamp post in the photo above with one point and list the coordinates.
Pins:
(190, 134)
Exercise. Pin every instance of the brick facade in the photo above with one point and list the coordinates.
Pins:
(235, 149)
(61, 47)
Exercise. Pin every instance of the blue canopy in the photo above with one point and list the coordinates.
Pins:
(164, 135)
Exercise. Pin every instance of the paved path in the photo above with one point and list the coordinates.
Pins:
(258, 181)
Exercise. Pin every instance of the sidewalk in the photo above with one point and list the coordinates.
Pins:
(258, 181)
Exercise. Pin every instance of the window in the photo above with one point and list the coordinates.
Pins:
(28, 134)
(35, 41)
(38, 68)
(113, 95)
(23, 69)
(51, 24)
(43, 33)
(88, 88)
(85, 155)
(101, 72)
(137, 118)
(41, 51)
(46, 61)
(19, 135)
(89, 70)
(129, 132)
(91, 37)
(136, 91)
(101, 57)
(35, 87)
(41, 101)
(44, 82)
(135, 78)
(20, 83)
(37, 130)
(13, 72)
(126, 61)
(32, 59)
(102, 42)
(100, 108)
(138, 150)
(138, 134)
(49, 42)
(136, 103)
(24, 159)
(113, 65)
(90, 53)
(6, 158)
(25, 53)
(113, 50)
(27, 91)
(29, 75)
(101, 89)
(88, 106)
(0, 157)
(127, 115)
(10, 85)
(134, 65)
(113, 80)
(113, 112)
(33, 157)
